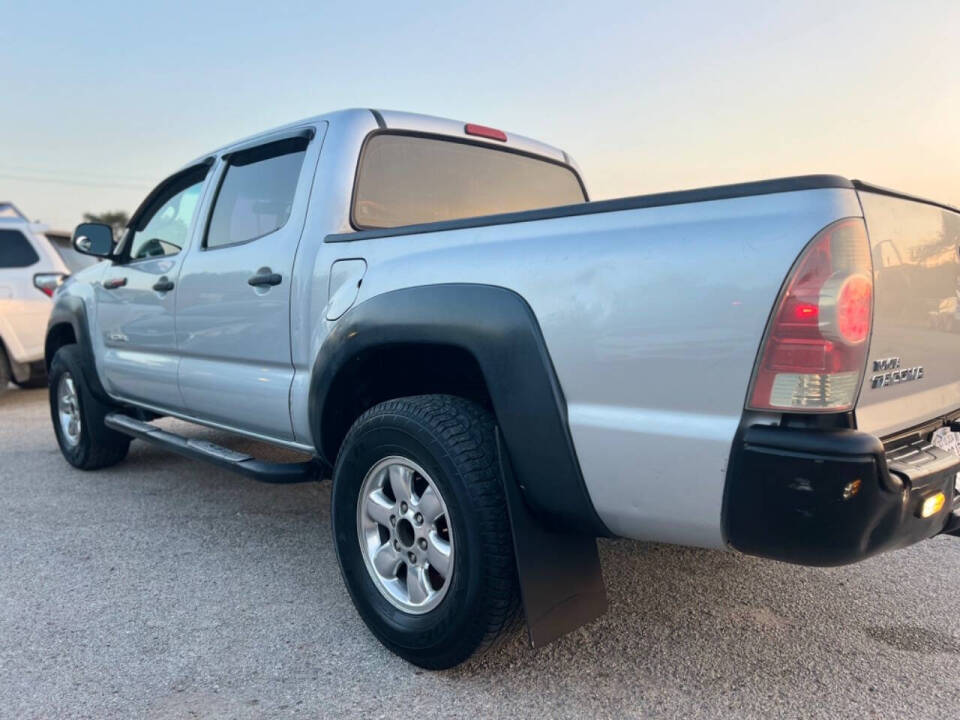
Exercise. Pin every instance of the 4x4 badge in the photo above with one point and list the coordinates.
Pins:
(889, 372)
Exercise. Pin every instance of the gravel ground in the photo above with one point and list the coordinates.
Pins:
(165, 588)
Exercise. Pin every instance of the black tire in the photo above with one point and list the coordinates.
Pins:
(5, 376)
(98, 446)
(33, 382)
(454, 441)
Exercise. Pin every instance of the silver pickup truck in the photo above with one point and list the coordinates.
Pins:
(497, 371)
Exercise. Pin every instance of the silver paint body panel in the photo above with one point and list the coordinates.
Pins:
(233, 339)
(652, 317)
(916, 269)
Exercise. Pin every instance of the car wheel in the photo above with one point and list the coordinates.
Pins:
(5, 376)
(77, 415)
(421, 529)
(36, 380)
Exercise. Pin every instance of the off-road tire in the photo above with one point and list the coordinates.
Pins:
(454, 441)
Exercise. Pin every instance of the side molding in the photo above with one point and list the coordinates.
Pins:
(500, 331)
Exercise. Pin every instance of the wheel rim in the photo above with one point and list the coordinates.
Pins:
(405, 535)
(68, 410)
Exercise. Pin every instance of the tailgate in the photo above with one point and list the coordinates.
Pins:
(913, 369)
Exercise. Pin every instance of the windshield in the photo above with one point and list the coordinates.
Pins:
(407, 179)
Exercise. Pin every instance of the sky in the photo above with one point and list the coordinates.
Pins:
(102, 100)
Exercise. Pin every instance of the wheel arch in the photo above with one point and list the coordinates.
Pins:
(68, 325)
(482, 342)
(63, 333)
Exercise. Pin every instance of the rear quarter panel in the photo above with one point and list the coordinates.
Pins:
(653, 318)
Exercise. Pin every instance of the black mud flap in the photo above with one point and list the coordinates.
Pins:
(561, 583)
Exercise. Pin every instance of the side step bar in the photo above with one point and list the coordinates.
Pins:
(271, 472)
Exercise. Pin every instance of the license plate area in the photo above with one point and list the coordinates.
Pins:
(947, 440)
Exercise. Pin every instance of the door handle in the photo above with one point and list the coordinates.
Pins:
(114, 283)
(265, 276)
(164, 284)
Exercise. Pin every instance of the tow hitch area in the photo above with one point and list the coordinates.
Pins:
(953, 524)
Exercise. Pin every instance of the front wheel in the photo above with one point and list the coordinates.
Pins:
(77, 415)
(421, 529)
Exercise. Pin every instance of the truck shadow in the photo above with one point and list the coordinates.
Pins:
(687, 623)
(684, 626)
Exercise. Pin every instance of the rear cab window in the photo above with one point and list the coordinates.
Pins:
(405, 179)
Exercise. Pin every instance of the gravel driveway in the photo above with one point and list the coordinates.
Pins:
(166, 588)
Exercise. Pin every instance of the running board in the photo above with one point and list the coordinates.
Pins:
(270, 472)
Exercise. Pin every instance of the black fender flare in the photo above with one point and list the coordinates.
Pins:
(71, 310)
(499, 329)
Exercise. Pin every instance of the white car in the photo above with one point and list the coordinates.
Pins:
(32, 265)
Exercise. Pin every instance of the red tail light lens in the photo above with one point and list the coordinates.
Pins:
(854, 306)
(47, 283)
(815, 350)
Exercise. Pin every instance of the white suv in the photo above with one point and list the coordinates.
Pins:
(31, 267)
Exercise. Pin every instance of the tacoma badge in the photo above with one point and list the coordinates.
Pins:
(888, 372)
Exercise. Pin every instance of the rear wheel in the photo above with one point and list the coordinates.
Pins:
(421, 529)
(77, 415)
(4, 371)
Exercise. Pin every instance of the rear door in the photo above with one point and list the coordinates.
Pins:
(913, 370)
(233, 309)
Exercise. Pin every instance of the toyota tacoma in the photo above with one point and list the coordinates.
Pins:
(496, 371)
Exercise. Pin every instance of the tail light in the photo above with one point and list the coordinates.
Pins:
(47, 283)
(815, 350)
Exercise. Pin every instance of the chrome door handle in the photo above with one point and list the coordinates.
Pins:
(265, 276)
(164, 284)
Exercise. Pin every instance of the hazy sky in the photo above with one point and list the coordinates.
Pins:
(101, 102)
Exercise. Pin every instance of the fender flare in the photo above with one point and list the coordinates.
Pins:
(71, 310)
(499, 329)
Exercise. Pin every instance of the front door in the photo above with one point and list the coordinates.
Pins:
(137, 294)
(233, 307)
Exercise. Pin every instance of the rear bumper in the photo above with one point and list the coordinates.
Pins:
(832, 497)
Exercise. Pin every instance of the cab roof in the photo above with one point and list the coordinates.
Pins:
(398, 120)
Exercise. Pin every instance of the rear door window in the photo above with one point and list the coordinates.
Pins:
(16, 251)
(256, 193)
(411, 179)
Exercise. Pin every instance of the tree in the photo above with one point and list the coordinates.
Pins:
(116, 219)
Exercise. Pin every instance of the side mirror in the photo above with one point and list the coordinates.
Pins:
(93, 239)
